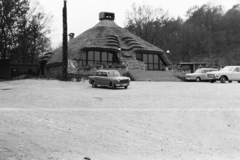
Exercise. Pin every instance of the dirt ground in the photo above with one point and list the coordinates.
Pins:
(54, 120)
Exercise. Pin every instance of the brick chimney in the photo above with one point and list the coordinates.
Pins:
(71, 36)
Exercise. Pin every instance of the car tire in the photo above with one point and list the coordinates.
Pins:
(94, 84)
(229, 81)
(223, 79)
(112, 85)
(126, 87)
(198, 79)
(238, 81)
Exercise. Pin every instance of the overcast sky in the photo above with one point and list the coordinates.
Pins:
(83, 14)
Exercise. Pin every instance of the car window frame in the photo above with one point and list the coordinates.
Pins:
(237, 69)
(104, 74)
(100, 74)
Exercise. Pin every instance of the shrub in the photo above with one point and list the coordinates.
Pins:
(185, 68)
(127, 74)
(123, 66)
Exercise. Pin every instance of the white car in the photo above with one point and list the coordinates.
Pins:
(228, 73)
(200, 74)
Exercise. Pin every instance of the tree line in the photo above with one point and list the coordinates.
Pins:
(208, 34)
(24, 31)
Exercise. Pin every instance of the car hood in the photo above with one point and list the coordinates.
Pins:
(192, 74)
(121, 77)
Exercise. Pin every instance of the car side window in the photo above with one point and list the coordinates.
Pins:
(237, 69)
(104, 74)
(99, 74)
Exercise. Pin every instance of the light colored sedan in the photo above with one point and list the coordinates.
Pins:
(200, 74)
(228, 73)
(109, 78)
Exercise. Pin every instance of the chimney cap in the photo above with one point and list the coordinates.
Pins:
(71, 34)
(106, 15)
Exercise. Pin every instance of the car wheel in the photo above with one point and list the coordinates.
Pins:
(94, 84)
(223, 79)
(113, 86)
(198, 79)
(126, 87)
(229, 81)
(238, 81)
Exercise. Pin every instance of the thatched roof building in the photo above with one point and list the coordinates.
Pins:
(107, 36)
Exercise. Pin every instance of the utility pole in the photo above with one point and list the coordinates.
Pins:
(64, 43)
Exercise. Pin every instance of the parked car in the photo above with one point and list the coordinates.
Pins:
(228, 73)
(200, 74)
(109, 78)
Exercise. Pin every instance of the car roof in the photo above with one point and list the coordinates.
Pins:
(232, 66)
(102, 70)
(208, 68)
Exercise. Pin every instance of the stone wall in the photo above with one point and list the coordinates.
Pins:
(75, 70)
(135, 65)
(54, 72)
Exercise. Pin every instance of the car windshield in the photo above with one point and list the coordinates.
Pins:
(228, 68)
(199, 71)
(113, 74)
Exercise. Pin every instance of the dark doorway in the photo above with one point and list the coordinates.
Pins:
(14, 72)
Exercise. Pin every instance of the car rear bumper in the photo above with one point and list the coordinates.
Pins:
(190, 78)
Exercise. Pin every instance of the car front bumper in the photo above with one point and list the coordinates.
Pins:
(212, 77)
(122, 85)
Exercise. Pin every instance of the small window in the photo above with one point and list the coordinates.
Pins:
(139, 56)
(110, 57)
(156, 58)
(104, 56)
(156, 67)
(83, 56)
(150, 58)
(97, 56)
(150, 66)
(145, 58)
(90, 55)
(90, 62)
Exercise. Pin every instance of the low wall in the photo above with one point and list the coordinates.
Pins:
(135, 65)
(75, 70)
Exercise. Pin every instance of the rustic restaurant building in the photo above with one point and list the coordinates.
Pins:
(106, 45)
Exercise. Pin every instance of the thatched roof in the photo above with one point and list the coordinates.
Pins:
(107, 36)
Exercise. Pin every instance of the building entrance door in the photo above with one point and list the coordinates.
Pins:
(14, 72)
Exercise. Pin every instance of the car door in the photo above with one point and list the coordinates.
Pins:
(105, 78)
(98, 78)
(204, 75)
(235, 74)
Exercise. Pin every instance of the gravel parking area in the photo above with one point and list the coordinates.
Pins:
(55, 120)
